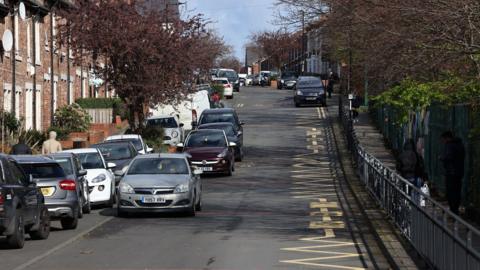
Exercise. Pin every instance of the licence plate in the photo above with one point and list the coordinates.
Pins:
(153, 200)
(207, 169)
(311, 98)
(48, 191)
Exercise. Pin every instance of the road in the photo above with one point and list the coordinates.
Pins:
(286, 207)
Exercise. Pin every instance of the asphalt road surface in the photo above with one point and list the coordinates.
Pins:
(284, 208)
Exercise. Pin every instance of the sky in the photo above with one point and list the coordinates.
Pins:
(235, 20)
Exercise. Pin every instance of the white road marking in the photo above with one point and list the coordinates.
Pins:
(62, 245)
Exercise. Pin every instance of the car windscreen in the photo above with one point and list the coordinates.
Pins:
(136, 143)
(217, 118)
(206, 139)
(229, 130)
(221, 82)
(66, 165)
(47, 170)
(91, 161)
(158, 166)
(115, 151)
(168, 122)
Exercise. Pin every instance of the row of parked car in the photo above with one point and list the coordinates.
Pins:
(64, 186)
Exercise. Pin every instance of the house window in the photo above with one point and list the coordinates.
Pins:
(7, 97)
(38, 107)
(28, 106)
(37, 44)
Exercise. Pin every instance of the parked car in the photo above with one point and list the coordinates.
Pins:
(232, 77)
(310, 91)
(233, 135)
(257, 79)
(61, 194)
(249, 80)
(119, 153)
(187, 110)
(135, 139)
(227, 87)
(288, 80)
(100, 177)
(172, 128)
(210, 151)
(22, 205)
(73, 169)
(160, 183)
(221, 116)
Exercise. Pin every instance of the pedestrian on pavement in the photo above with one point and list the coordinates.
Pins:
(331, 82)
(21, 148)
(408, 163)
(453, 159)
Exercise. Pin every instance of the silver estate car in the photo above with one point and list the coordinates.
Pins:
(159, 183)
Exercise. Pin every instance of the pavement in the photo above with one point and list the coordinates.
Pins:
(288, 206)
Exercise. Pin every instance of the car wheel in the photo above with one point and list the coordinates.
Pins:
(80, 210)
(87, 208)
(70, 223)
(17, 238)
(297, 104)
(43, 227)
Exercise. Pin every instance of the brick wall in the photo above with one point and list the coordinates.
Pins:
(30, 71)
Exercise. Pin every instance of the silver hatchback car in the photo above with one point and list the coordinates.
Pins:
(159, 183)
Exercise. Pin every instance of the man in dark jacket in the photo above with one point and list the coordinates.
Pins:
(21, 148)
(453, 159)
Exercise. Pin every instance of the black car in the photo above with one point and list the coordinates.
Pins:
(221, 116)
(22, 205)
(120, 153)
(61, 194)
(288, 80)
(310, 91)
(233, 135)
(72, 167)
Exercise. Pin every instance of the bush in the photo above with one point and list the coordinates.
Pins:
(72, 118)
(118, 106)
(153, 137)
(219, 89)
(12, 124)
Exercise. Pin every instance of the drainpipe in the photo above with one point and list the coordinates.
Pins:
(69, 98)
(34, 56)
(14, 64)
(52, 77)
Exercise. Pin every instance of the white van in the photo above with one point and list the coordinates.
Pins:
(187, 111)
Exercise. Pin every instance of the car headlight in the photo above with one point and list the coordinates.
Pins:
(174, 134)
(182, 188)
(282, 81)
(125, 188)
(99, 178)
(223, 154)
(299, 93)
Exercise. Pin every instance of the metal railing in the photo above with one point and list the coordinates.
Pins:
(443, 239)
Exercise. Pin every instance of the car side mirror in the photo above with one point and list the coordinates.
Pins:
(180, 145)
(149, 150)
(182, 125)
(32, 181)
(232, 144)
(111, 165)
(242, 123)
(82, 172)
(239, 133)
(119, 173)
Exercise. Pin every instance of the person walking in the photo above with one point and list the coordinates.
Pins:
(408, 163)
(331, 82)
(21, 148)
(453, 159)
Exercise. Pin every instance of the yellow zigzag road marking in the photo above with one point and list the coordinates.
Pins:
(326, 225)
(310, 261)
(312, 249)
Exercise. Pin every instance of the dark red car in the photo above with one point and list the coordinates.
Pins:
(211, 151)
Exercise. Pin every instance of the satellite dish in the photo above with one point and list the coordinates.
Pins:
(7, 40)
(21, 11)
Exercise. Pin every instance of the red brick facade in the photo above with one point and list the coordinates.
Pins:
(32, 50)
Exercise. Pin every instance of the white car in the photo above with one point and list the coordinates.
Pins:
(101, 180)
(172, 128)
(249, 80)
(135, 139)
(228, 87)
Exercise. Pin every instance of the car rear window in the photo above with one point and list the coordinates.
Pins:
(66, 165)
(91, 161)
(206, 139)
(43, 170)
(218, 118)
(229, 130)
(136, 143)
(115, 151)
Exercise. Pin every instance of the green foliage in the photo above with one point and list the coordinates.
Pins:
(12, 124)
(72, 118)
(153, 137)
(118, 106)
(62, 133)
(274, 78)
(218, 88)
